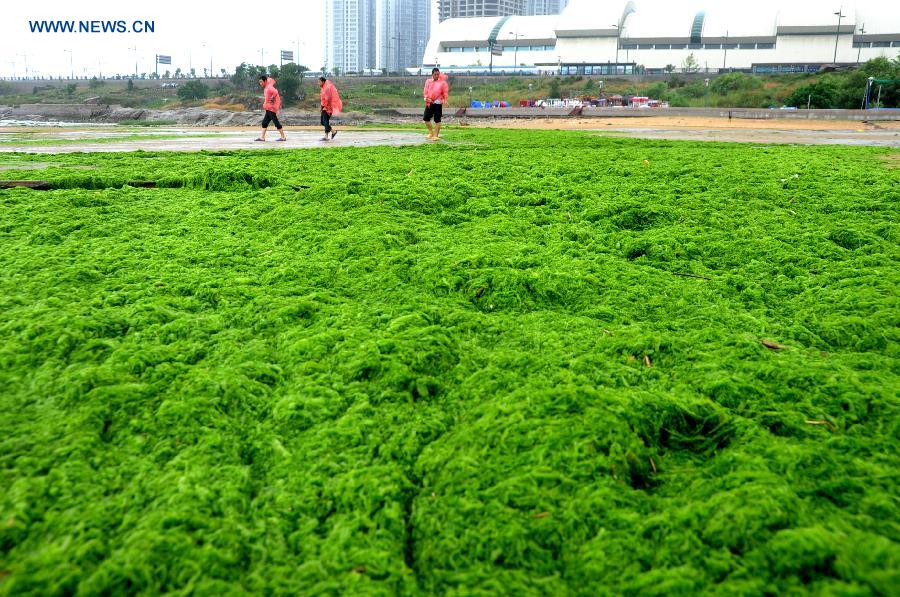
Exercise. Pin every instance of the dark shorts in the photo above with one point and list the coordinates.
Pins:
(271, 117)
(433, 111)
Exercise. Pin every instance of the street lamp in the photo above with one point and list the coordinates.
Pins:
(618, 33)
(706, 93)
(135, 60)
(71, 68)
(25, 56)
(516, 48)
(210, 59)
(395, 54)
(862, 31)
(837, 34)
(725, 46)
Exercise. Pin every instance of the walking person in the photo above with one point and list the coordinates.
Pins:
(331, 105)
(271, 104)
(435, 94)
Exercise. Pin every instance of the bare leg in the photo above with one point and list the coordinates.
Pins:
(262, 135)
(281, 130)
(430, 129)
(437, 130)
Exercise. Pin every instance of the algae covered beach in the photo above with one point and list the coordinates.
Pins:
(518, 362)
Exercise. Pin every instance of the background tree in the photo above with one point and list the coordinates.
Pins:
(820, 95)
(554, 90)
(193, 90)
(690, 64)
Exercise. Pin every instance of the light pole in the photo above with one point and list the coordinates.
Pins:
(837, 34)
(25, 56)
(618, 33)
(516, 48)
(134, 49)
(706, 93)
(210, 59)
(71, 68)
(725, 46)
(862, 31)
(394, 52)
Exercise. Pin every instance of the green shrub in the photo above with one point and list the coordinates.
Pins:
(193, 90)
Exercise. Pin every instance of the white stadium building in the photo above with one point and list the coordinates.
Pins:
(592, 37)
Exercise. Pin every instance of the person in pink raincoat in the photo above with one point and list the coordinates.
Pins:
(331, 105)
(271, 104)
(435, 94)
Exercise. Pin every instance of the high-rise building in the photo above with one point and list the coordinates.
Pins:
(545, 7)
(350, 35)
(405, 26)
(454, 9)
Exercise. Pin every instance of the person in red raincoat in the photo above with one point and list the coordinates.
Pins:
(271, 104)
(331, 105)
(435, 93)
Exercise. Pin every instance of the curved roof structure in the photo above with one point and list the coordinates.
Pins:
(586, 15)
(501, 29)
(742, 21)
(656, 24)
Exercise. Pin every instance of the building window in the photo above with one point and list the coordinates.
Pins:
(729, 46)
(468, 49)
(589, 70)
(454, 50)
(663, 46)
(765, 46)
(629, 46)
(695, 46)
(712, 46)
(645, 46)
(881, 44)
(746, 46)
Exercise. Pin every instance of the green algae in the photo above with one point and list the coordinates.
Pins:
(523, 363)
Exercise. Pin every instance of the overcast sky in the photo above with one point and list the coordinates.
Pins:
(194, 32)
